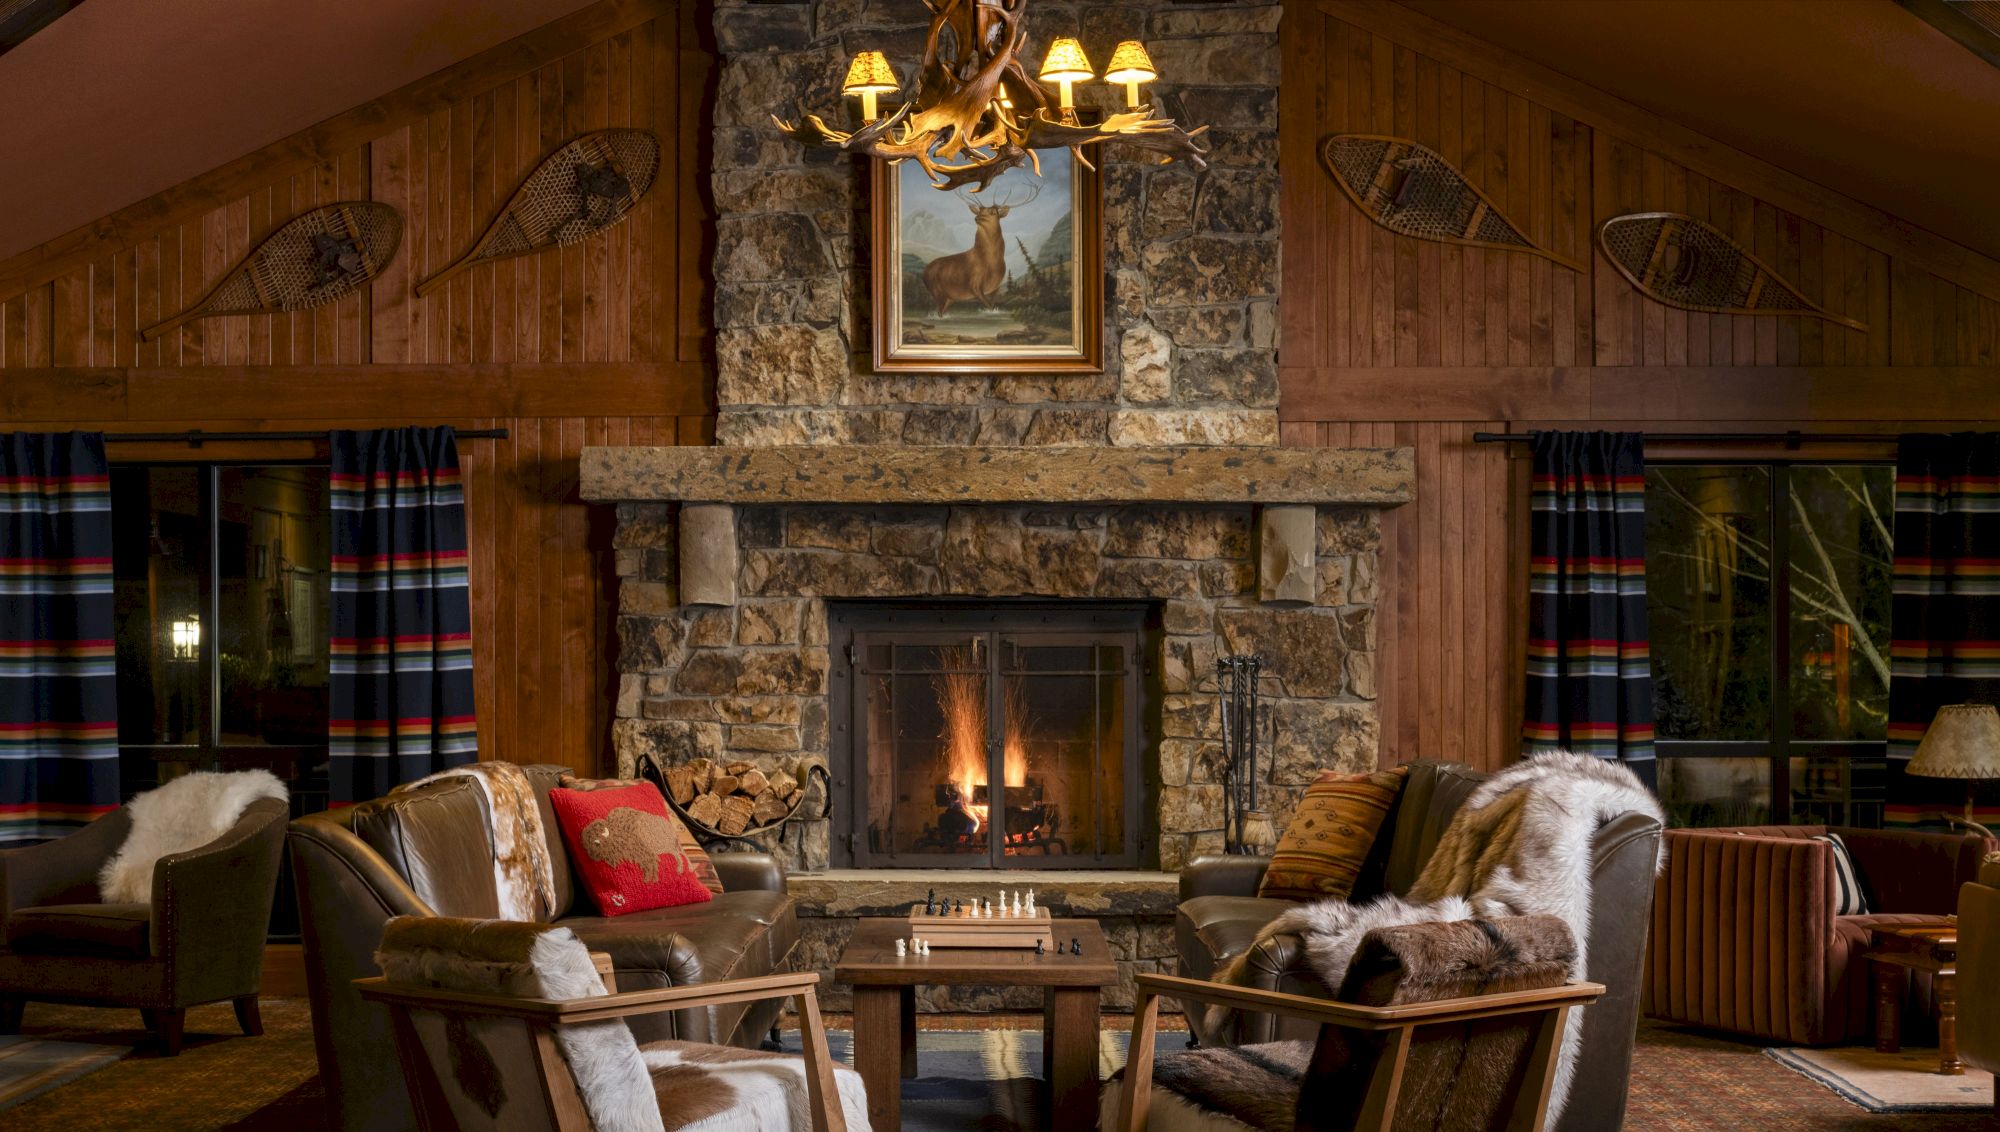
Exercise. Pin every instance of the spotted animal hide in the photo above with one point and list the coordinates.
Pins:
(523, 873)
(710, 1088)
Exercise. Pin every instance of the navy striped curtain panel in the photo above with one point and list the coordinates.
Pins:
(58, 667)
(1944, 620)
(401, 681)
(1590, 680)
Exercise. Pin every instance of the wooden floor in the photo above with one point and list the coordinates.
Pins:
(1681, 1081)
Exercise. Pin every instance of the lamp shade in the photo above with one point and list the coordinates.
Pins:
(1066, 62)
(1963, 742)
(1130, 64)
(870, 74)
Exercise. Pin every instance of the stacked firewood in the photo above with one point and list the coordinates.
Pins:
(732, 798)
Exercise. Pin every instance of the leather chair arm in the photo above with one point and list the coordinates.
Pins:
(1707, 968)
(63, 871)
(212, 905)
(749, 872)
(1223, 876)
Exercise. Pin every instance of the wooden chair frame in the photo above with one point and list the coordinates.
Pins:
(1396, 1025)
(565, 1104)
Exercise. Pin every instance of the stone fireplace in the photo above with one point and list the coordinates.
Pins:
(1154, 491)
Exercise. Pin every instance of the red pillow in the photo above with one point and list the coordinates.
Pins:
(627, 848)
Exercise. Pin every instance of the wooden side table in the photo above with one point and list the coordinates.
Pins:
(1895, 950)
(885, 1010)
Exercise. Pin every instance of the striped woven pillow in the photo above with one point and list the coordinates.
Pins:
(1323, 847)
(1848, 899)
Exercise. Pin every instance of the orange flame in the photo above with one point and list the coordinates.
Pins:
(961, 693)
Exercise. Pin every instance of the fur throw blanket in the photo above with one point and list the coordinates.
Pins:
(660, 1087)
(523, 872)
(185, 813)
(1521, 845)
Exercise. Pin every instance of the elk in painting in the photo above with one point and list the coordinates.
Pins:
(977, 273)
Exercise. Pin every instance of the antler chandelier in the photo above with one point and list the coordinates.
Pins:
(976, 113)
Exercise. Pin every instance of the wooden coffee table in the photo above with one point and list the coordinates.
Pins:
(885, 1010)
(1897, 949)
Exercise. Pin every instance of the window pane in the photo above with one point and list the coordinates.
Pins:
(157, 549)
(1839, 790)
(272, 605)
(1841, 550)
(1708, 547)
(1715, 792)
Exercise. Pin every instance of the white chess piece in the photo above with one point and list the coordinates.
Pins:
(1031, 902)
(900, 949)
(1017, 903)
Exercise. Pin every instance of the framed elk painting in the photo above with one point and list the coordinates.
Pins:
(1009, 279)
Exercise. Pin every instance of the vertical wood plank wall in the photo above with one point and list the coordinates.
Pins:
(602, 342)
(1390, 340)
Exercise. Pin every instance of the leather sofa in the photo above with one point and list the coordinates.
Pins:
(1745, 938)
(1220, 915)
(1979, 971)
(199, 939)
(427, 852)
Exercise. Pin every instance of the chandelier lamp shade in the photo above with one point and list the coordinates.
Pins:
(869, 76)
(979, 110)
(1130, 66)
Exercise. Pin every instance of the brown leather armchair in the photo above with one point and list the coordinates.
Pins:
(427, 852)
(1220, 915)
(1979, 971)
(200, 939)
(1744, 933)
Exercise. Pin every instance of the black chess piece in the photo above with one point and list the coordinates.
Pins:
(959, 908)
(1075, 946)
(1038, 946)
(930, 902)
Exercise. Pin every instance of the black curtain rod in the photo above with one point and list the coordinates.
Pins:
(1788, 439)
(195, 438)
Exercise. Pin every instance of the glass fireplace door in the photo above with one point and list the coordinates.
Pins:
(996, 747)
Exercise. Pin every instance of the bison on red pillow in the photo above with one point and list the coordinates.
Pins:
(628, 849)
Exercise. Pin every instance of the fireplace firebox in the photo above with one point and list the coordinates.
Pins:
(995, 736)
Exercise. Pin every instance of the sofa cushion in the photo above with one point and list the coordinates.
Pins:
(119, 931)
(628, 849)
(1211, 929)
(1331, 835)
(691, 847)
(435, 837)
(1431, 796)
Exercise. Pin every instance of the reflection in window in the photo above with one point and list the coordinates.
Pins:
(1790, 680)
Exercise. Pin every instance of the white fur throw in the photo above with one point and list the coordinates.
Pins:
(185, 813)
(524, 875)
(1521, 845)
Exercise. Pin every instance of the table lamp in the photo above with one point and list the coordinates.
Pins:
(1963, 742)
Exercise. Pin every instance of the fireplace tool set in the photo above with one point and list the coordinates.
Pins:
(1246, 827)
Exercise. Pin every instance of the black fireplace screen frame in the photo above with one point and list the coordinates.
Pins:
(1135, 625)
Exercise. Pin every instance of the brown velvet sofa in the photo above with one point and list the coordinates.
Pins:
(199, 939)
(1220, 915)
(1979, 972)
(427, 852)
(1744, 935)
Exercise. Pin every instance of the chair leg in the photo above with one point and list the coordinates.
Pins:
(169, 1024)
(12, 1006)
(247, 1015)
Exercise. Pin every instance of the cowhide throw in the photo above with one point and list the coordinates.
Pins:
(185, 813)
(711, 1088)
(1521, 845)
(1455, 1078)
(524, 876)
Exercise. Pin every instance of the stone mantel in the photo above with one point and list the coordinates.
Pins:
(900, 474)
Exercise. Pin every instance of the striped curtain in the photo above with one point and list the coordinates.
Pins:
(1944, 620)
(58, 667)
(1590, 680)
(401, 680)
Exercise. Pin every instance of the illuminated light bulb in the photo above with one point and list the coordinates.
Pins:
(868, 76)
(1131, 66)
(1066, 65)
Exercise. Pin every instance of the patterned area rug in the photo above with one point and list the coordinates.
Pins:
(981, 1079)
(30, 1067)
(1890, 1082)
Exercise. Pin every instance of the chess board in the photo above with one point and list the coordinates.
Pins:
(983, 931)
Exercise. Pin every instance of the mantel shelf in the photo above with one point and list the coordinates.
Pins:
(896, 474)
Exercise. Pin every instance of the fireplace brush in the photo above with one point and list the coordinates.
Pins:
(1246, 827)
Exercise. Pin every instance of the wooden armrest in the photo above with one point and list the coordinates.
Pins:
(1350, 1016)
(569, 1012)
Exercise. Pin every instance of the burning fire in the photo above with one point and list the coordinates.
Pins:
(962, 696)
